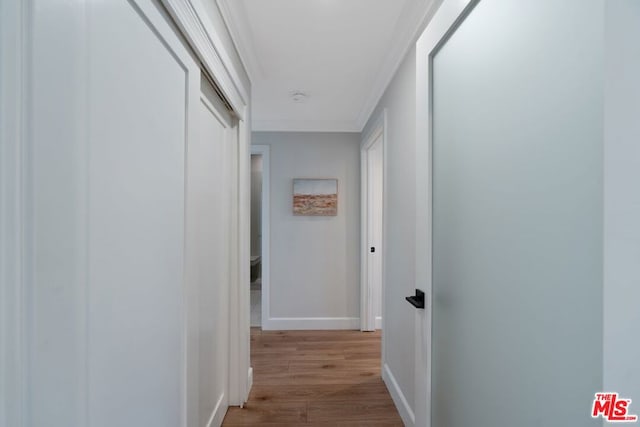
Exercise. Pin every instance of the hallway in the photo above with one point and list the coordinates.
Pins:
(460, 173)
(316, 378)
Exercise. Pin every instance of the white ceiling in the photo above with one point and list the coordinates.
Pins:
(341, 53)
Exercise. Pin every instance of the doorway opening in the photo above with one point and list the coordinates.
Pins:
(256, 237)
(259, 277)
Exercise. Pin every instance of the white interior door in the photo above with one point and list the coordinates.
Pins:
(515, 172)
(113, 97)
(209, 239)
(372, 182)
(374, 200)
(136, 221)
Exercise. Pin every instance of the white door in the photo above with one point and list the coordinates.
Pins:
(138, 136)
(112, 106)
(511, 154)
(372, 163)
(210, 271)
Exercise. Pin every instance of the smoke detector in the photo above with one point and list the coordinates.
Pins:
(298, 96)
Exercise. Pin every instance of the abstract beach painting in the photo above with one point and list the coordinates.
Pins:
(315, 197)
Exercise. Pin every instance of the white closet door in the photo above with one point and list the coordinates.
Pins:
(138, 92)
(209, 253)
(112, 87)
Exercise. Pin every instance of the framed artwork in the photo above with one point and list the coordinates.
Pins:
(316, 197)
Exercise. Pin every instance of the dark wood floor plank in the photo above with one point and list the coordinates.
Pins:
(380, 409)
(311, 366)
(256, 413)
(316, 379)
(367, 423)
(374, 389)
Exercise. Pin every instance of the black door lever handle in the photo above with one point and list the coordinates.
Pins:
(417, 300)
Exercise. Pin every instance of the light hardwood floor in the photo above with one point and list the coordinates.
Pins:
(316, 378)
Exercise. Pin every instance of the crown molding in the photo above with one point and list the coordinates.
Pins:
(415, 17)
(412, 21)
(304, 126)
(208, 46)
(241, 35)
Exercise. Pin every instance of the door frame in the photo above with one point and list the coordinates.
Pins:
(446, 20)
(265, 242)
(368, 321)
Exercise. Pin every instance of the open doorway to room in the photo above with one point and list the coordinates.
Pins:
(256, 237)
(259, 234)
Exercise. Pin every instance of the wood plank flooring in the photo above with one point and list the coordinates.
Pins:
(314, 379)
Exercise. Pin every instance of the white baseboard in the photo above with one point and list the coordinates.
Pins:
(311, 323)
(378, 322)
(217, 416)
(407, 415)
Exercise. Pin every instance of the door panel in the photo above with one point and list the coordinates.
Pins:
(517, 216)
(136, 210)
(375, 183)
(209, 237)
(109, 115)
(127, 316)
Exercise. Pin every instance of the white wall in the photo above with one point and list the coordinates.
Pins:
(622, 200)
(315, 261)
(256, 204)
(399, 100)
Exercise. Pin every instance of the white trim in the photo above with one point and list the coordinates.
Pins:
(244, 256)
(264, 151)
(367, 315)
(305, 126)
(207, 44)
(311, 323)
(403, 407)
(415, 17)
(236, 381)
(365, 291)
(13, 140)
(378, 322)
(447, 18)
(249, 381)
(409, 25)
(219, 411)
(241, 34)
